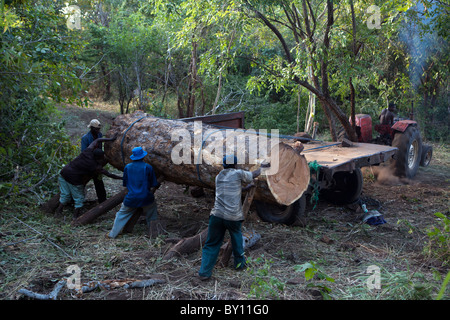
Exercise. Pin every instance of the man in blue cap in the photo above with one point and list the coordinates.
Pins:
(139, 178)
(226, 215)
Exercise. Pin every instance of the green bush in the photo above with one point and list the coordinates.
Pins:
(438, 245)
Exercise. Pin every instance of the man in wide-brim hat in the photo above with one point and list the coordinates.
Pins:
(139, 178)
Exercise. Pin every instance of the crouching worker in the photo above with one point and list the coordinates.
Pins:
(139, 178)
(74, 176)
(226, 215)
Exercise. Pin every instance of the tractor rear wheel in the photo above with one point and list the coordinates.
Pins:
(407, 159)
(427, 154)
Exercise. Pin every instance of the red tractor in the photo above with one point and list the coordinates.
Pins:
(404, 135)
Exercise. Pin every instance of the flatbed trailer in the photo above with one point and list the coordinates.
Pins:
(335, 176)
(335, 170)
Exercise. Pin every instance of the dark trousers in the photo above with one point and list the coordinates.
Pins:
(216, 232)
(100, 188)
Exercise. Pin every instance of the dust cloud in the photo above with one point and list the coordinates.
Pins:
(385, 175)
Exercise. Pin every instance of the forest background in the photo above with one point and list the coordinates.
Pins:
(178, 59)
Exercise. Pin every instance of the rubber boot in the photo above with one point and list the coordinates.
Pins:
(60, 209)
(154, 229)
(76, 213)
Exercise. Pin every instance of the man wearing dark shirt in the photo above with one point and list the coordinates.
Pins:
(93, 134)
(74, 176)
(387, 115)
(139, 178)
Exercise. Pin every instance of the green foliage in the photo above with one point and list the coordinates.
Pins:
(313, 272)
(38, 68)
(443, 287)
(264, 285)
(405, 286)
(438, 245)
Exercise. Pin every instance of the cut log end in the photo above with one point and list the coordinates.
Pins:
(292, 177)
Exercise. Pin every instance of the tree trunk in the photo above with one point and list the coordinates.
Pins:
(352, 104)
(201, 148)
(192, 82)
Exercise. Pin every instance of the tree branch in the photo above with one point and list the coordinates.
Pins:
(274, 30)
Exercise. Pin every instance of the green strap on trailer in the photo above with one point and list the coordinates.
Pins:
(314, 168)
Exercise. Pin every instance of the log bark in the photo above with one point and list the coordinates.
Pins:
(99, 210)
(159, 138)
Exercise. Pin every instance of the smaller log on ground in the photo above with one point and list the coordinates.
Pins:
(129, 226)
(192, 244)
(187, 245)
(101, 209)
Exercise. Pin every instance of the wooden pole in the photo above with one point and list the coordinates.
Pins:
(101, 209)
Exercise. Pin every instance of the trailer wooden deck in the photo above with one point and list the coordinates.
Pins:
(335, 157)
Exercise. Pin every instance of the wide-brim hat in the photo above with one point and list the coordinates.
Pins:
(94, 124)
(138, 153)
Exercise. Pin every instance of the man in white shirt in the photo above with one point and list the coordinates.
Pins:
(226, 215)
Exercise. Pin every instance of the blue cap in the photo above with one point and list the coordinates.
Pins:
(138, 153)
(229, 160)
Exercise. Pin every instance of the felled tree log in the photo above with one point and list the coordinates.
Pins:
(162, 138)
(100, 209)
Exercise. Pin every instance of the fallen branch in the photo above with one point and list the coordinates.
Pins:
(46, 238)
(39, 296)
(91, 286)
(187, 245)
(113, 284)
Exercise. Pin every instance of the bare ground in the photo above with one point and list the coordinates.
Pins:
(334, 240)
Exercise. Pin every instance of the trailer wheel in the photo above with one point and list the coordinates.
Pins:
(407, 159)
(427, 153)
(346, 187)
(282, 214)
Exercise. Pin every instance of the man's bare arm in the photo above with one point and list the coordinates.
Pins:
(111, 175)
(100, 140)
